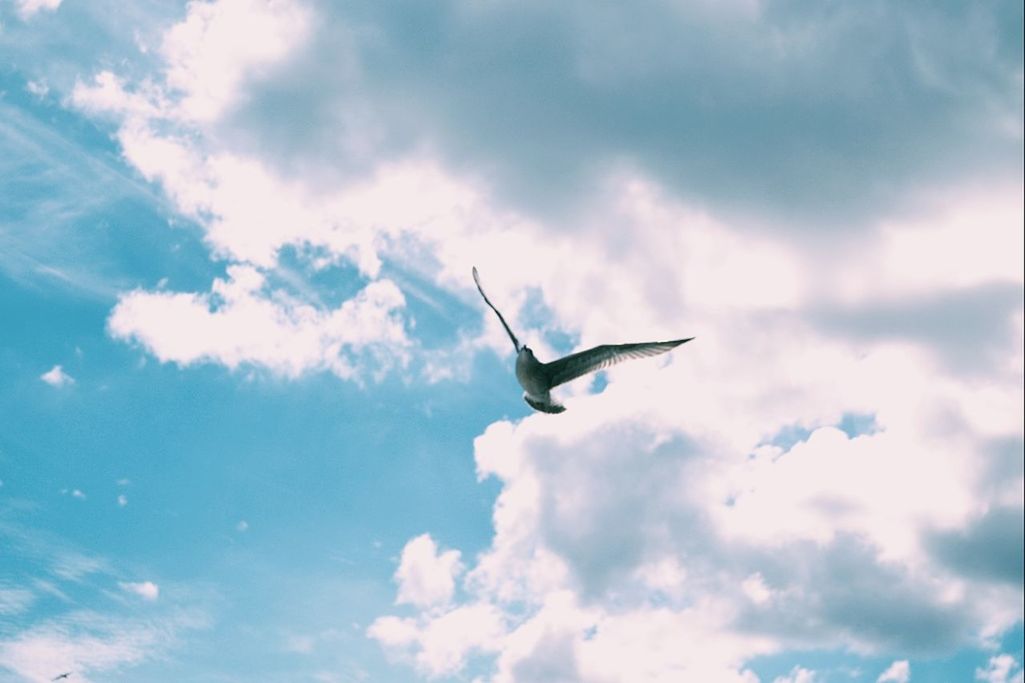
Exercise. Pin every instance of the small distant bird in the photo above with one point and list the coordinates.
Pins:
(538, 379)
(66, 674)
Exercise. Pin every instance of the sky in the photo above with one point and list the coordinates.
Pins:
(256, 423)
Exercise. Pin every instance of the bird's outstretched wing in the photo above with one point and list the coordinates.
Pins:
(476, 279)
(578, 364)
(63, 676)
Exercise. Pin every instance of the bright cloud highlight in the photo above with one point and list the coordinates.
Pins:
(147, 590)
(29, 8)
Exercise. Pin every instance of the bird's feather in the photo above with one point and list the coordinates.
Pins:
(578, 364)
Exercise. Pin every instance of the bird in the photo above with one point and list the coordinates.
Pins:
(66, 674)
(538, 379)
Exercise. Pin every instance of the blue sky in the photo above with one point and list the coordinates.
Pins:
(257, 424)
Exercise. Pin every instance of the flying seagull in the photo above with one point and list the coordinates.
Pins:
(66, 674)
(538, 379)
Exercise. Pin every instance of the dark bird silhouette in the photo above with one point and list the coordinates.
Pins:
(66, 674)
(538, 379)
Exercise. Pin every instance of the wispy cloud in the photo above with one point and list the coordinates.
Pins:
(90, 644)
(40, 245)
(15, 600)
(93, 643)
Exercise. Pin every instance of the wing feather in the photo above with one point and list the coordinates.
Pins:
(579, 364)
(476, 279)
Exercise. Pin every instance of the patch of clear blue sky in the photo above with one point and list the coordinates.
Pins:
(331, 478)
(852, 424)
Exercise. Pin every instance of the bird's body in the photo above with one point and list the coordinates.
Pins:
(538, 379)
(64, 676)
(530, 372)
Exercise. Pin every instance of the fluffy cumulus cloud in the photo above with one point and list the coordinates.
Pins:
(638, 536)
(828, 198)
(426, 577)
(728, 502)
(248, 212)
(238, 322)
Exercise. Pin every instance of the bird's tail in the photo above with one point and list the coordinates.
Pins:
(553, 408)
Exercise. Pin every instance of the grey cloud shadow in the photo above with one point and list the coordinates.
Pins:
(991, 548)
(1004, 461)
(552, 661)
(971, 330)
(842, 593)
(629, 510)
(814, 114)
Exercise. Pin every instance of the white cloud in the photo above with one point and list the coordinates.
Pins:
(89, 644)
(898, 672)
(56, 377)
(797, 675)
(29, 8)
(221, 43)
(146, 590)
(425, 576)
(1002, 668)
(649, 492)
(440, 644)
(249, 211)
(239, 322)
(661, 511)
(755, 588)
(108, 94)
(122, 500)
(37, 654)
